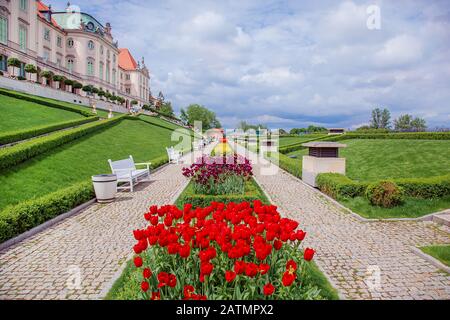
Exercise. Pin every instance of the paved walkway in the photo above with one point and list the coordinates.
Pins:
(351, 252)
(78, 257)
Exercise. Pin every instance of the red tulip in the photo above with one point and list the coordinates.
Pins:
(156, 296)
(138, 262)
(230, 276)
(308, 254)
(288, 279)
(145, 286)
(268, 289)
(147, 273)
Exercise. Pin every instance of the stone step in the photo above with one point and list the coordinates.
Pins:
(442, 218)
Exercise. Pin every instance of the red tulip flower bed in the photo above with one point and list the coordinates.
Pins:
(233, 251)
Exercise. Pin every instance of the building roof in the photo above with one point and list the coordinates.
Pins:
(126, 60)
(42, 8)
(324, 144)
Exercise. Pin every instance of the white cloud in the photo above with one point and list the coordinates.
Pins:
(398, 51)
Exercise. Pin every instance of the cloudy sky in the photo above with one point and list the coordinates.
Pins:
(290, 63)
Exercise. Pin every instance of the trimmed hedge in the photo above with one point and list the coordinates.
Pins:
(16, 219)
(386, 194)
(20, 218)
(18, 135)
(43, 102)
(399, 135)
(252, 192)
(433, 187)
(337, 185)
(14, 155)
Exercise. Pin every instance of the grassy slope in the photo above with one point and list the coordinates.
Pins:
(371, 160)
(442, 253)
(100, 113)
(285, 141)
(16, 114)
(78, 160)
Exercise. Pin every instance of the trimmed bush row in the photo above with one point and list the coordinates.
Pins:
(18, 135)
(400, 135)
(20, 218)
(337, 185)
(17, 219)
(43, 102)
(14, 155)
(292, 166)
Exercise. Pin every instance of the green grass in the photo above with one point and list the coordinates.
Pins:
(412, 208)
(78, 160)
(101, 113)
(441, 253)
(372, 160)
(16, 114)
(286, 141)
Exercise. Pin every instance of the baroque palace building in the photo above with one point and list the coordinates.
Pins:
(72, 44)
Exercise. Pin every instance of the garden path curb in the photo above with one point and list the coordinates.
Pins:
(431, 259)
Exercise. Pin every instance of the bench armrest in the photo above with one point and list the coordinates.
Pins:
(148, 164)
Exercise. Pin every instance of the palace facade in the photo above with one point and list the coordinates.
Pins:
(72, 44)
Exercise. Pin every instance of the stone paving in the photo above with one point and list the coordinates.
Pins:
(352, 252)
(78, 257)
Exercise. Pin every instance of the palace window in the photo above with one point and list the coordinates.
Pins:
(47, 34)
(114, 77)
(101, 50)
(3, 63)
(23, 5)
(100, 71)
(107, 77)
(3, 30)
(70, 64)
(70, 43)
(46, 55)
(23, 38)
(91, 45)
(59, 41)
(90, 67)
(22, 70)
(59, 62)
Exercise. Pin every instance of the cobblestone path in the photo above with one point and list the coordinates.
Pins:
(92, 244)
(351, 252)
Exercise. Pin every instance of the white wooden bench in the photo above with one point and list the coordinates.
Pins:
(126, 172)
(174, 155)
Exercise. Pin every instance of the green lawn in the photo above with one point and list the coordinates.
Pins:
(371, 160)
(412, 208)
(100, 113)
(286, 141)
(442, 253)
(78, 160)
(16, 114)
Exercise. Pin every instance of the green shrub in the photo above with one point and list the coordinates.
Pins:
(386, 194)
(18, 135)
(14, 155)
(20, 218)
(433, 187)
(43, 102)
(337, 185)
(398, 135)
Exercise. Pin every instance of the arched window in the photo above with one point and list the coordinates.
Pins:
(70, 43)
(90, 67)
(100, 71)
(107, 77)
(70, 64)
(91, 45)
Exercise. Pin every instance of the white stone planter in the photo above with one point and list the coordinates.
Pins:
(105, 186)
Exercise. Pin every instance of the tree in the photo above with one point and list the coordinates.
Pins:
(406, 122)
(418, 125)
(134, 102)
(76, 86)
(14, 63)
(166, 108)
(88, 89)
(196, 112)
(380, 119)
(30, 69)
(282, 132)
(247, 126)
